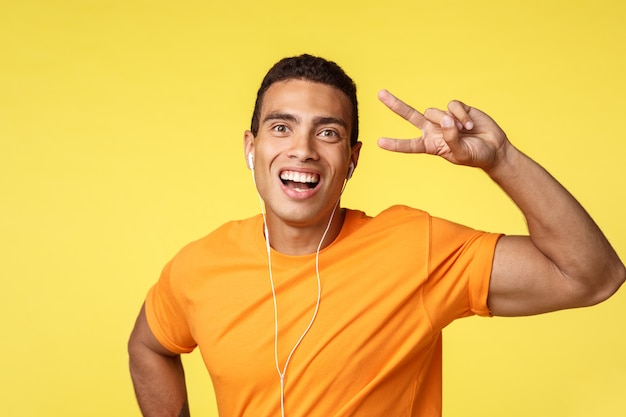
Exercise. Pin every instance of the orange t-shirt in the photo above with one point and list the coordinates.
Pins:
(390, 284)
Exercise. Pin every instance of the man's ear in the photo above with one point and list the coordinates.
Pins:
(248, 148)
(354, 156)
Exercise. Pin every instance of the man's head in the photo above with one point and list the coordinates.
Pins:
(310, 68)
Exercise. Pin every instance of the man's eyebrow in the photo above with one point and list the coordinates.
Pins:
(330, 121)
(322, 120)
(281, 116)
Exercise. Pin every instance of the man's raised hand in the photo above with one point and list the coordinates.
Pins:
(462, 134)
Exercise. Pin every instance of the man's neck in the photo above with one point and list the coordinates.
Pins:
(295, 240)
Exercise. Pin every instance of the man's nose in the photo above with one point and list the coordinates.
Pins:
(303, 147)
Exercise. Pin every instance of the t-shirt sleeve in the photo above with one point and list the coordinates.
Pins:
(460, 264)
(166, 315)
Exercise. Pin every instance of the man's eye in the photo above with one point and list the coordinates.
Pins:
(328, 133)
(280, 129)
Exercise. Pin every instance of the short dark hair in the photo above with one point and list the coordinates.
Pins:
(310, 68)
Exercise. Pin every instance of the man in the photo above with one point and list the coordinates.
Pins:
(314, 310)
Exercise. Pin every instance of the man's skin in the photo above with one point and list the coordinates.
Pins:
(565, 262)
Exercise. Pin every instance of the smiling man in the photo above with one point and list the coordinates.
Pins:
(302, 152)
(311, 309)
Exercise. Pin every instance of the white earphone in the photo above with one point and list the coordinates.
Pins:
(282, 371)
(350, 171)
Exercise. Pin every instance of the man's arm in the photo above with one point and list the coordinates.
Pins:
(157, 374)
(566, 261)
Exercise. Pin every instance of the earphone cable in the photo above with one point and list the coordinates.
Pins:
(282, 373)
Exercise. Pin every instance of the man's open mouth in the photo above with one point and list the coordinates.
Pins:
(299, 181)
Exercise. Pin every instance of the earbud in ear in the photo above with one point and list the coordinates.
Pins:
(350, 171)
(250, 161)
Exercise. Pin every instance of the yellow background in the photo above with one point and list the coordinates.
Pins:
(121, 126)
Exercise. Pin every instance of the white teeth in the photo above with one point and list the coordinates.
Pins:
(301, 177)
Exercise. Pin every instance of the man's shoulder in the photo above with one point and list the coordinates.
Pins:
(393, 217)
(402, 211)
(393, 214)
(224, 236)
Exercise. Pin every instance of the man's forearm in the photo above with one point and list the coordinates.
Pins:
(157, 374)
(558, 225)
(159, 383)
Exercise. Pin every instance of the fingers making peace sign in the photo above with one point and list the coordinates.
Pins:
(461, 134)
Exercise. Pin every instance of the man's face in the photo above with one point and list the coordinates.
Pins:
(302, 151)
